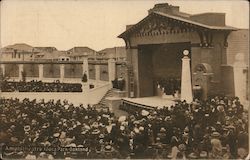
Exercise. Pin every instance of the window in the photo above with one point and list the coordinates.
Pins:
(19, 55)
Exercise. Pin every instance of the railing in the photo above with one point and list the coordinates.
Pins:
(142, 106)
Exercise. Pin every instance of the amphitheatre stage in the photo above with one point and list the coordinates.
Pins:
(149, 102)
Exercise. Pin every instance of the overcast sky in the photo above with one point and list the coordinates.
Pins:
(96, 24)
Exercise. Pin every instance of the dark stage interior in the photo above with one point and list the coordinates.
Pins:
(159, 61)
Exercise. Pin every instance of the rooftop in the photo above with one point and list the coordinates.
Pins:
(212, 21)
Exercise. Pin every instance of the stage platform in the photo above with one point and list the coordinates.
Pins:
(149, 102)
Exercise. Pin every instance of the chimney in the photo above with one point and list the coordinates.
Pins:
(165, 8)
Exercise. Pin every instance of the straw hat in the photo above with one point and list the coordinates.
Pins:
(136, 130)
(26, 128)
(163, 129)
(56, 135)
(203, 154)
(122, 128)
(215, 134)
(108, 148)
(96, 131)
(122, 118)
(144, 113)
(141, 128)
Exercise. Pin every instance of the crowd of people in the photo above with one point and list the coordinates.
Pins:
(119, 83)
(170, 86)
(213, 129)
(39, 86)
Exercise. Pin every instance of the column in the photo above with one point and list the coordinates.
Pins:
(40, 69)
(61, 72)
(240, 77)
(85, 69)
(3, 69)
(111, 69)
(20, 72)
(97, 72)
(186, 86)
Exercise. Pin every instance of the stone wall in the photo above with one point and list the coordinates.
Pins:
(51, 71)
(73, 71)
(31, 70)
(11, 70)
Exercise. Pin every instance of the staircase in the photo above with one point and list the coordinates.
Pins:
(109, 93)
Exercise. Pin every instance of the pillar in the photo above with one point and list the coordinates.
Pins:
(3, 69)
(20, 71)
(186, 86)
(97, 72)
(85, 69)
(40, 69)
(111, 69)
(240, 77)
(61, 72)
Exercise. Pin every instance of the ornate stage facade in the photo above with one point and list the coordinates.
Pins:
(155, 48)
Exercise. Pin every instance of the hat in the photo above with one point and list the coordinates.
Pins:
(192, 156)
(122, 128)
(86, 127)
(122, 118)
(203, 154)
(26, 128)
(141, 128)
(136, 130)
(56, 135)
(45, 125)
(12, 126)
(108, 148)
(168, 118)
(78, 123)
(79, 145)
(62, 135)
(215, 134)
(33, 121)
(29, 156)
(96, 131)
(136, 122)
(42, 154)
(101, 136)
(95, 125)
(84, 131)
(218, 122)
(163, 129)
(213, 129)
(71, 145)
(24, 115)
(220, 108)
(14, 139)
(186, 129)
(144, 113)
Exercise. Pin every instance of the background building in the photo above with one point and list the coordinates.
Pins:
(117, 53)
(18, 52)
